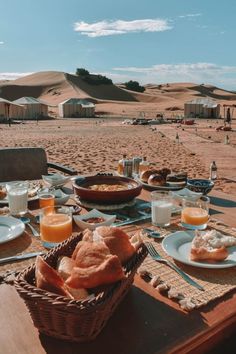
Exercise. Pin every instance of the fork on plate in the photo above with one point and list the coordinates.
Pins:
(157, 257)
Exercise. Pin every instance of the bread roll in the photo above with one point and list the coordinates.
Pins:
(156, 180)
(94, 266)
(65, 266)
(208, 254)
(117, 241)
(146, 174)
(48, 278)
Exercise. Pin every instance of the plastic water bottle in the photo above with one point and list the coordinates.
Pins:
(213, 171)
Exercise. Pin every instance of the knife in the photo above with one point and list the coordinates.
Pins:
(20, 257)
(131, 221)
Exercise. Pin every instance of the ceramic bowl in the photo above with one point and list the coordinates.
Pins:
(203, 186)
(80, 220)
(60, 197)
(56, 179)
(81, 188)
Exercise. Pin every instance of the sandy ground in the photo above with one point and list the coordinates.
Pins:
(96, 146)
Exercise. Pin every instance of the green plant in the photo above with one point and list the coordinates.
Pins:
(134, 86)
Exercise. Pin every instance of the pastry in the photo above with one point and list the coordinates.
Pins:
(48, 278)
(206, 248)
(117, 241)
(176, 179)
(3, 192)
(156, 180)
(94, 266)
(164, 172)
(65, 266)
(146, 174)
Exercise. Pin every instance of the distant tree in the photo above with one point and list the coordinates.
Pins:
(97, 80)
(82, 72)
(134, 86)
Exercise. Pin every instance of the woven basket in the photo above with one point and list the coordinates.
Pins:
(73, 320)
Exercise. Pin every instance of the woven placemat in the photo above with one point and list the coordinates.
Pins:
(216, 282)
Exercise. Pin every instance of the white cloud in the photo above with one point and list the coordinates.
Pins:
(185, 72)
(190, 15)
(1, 42)
(12, 76)
(109, 28)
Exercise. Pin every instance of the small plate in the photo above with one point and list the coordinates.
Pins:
(10, 228)
(56, 179)
(186, 193)
(81, 219)
(34, 186)
(166, 187)
(178, 245)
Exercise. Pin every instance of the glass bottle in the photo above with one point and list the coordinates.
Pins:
(213, 171)
(144, 165)
(120, 168)
(177, 138)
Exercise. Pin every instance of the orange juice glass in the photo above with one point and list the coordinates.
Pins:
(195, 214)
(46, 199)
(55, 225)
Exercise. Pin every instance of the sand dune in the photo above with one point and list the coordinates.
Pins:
(54, 87)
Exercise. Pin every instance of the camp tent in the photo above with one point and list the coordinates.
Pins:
(34, 108)
(75, 107)
(9, 109)
(202, 108)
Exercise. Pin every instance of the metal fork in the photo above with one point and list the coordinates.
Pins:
(157, 257)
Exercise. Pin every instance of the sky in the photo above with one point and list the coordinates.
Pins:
(151, 41)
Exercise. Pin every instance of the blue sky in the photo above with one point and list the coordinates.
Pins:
(151, 41)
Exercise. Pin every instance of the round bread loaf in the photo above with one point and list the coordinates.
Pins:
(156, 180)
(146, 174)
(164, 172)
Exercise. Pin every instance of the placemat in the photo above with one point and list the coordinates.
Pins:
(216, 282)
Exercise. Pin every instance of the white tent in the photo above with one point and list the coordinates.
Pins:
(34, 108)
(202, 108)
(9, 109)
(75, 107)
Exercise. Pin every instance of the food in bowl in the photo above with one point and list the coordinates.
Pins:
(109, 187)
(156, 180)
(93, 219)
(177, 179)
(117, 189)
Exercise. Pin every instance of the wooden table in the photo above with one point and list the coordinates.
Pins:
(145, 322)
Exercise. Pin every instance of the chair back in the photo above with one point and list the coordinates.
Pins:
(22, 164)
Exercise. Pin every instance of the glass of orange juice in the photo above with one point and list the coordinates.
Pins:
(46, 198)
(55, 225)
(195, 214)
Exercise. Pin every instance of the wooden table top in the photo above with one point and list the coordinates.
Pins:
(145, 322)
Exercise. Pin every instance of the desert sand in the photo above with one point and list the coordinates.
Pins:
(96, 145)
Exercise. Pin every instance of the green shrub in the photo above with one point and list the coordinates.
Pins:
(134, 86)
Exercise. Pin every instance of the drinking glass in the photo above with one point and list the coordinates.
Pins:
(161, 208)
(46, 198)
(55, 225)
(195, 214)
(17, 195)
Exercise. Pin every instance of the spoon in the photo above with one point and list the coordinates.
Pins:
(26, 221)
(152, 233)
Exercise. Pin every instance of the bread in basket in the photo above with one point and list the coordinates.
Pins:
(74, 320)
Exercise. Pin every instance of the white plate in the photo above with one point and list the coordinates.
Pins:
(178, 245)
(10, 228)
(186, 193)
(81, 219)
(166, 187)
(35, 197)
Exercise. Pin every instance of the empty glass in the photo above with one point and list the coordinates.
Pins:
(17, 195)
